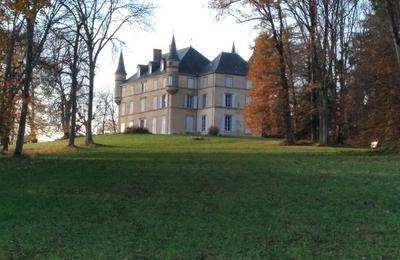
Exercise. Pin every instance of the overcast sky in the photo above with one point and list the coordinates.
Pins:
(193, 24)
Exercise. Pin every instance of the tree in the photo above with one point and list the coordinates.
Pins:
(262, 114)
(101, 21)
(270, 15)
(29, 10)
(373, 102)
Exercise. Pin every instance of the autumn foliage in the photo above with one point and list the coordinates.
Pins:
(263, 113)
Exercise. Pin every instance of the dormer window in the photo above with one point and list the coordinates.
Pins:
(150, 68)
(139, 71)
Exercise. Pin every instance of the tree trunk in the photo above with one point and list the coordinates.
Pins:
(30, 24)
(89, 133)
(74, 89)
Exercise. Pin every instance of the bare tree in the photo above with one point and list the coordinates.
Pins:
(101, 21)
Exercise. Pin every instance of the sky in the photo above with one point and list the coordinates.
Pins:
(193, 24)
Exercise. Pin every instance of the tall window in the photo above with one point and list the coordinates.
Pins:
(154, 126)
(248, 84)
(155, 99)
(229, 82)
(170, 80)
(123, 107)
(248, 100)
(228, 123)
(191, 101)
(143, 87)
(131, 107)
(123, 128)
(142, 123)
(164, 101)
(205, 101)
(132, 90)
(205, 82)
(190, 83)
(228, 100)
(143, 105)
(123, 90)
(155, 84)
(203, 123)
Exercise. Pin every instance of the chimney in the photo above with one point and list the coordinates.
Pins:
(156, 55)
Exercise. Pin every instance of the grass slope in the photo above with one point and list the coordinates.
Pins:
(176, 197)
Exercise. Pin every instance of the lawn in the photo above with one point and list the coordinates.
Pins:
(179, 197)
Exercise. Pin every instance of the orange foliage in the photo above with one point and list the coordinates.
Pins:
(263, 113)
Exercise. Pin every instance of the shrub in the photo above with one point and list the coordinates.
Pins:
(213, 130)
(136, 130)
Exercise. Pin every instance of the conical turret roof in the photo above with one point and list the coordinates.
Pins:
(173, 53)
(233, 48)
(121, 65)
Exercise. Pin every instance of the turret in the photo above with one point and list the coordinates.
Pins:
(172, 68)
(120, 77)
(234, 48)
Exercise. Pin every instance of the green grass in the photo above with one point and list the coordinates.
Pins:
(174, 197)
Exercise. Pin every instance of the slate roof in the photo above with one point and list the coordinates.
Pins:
(194, 63)
(228, 63)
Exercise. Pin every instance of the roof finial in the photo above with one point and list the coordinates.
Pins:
(173, 53)
(121, 65)
(233, 48)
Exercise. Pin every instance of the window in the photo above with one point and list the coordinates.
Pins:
(165, 82)
(143, 87)
(131, 107)
(123, 106)
(155, 84)
(164, 101)
(191, 101)
(170, 81)
(142, 123)
(228, 123)
(229, 82)
(163, 125)
(132, 90)
(248, 100)
(190, 83)
(123, 128)
(155, 99)
(228, 100)
(248, 84)
(130, 124)
(123, 91)
(154, 126)
(205, 82)
(203, 123)
(205, 101)
(150, 68)
(143, 105)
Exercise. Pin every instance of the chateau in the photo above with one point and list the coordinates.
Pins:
(184, 92)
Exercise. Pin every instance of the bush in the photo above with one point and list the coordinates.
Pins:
(137, 130)
(213, 130)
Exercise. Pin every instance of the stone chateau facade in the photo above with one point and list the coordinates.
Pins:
(184, 92)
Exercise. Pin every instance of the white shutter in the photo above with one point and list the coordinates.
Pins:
(206, 128)
(195, 102)
(160, 101)
(223, 100)
(233, 101)
(145, 123)
(233, 124)
(186, 99)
